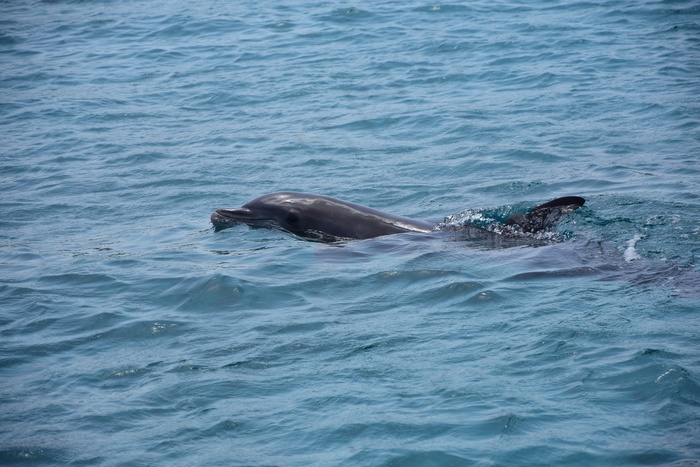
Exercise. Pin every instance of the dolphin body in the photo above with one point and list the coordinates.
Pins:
(325, 219)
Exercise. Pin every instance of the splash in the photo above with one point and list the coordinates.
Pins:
(477, 219)
(630, 252)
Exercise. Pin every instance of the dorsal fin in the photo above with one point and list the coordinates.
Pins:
(545, 215)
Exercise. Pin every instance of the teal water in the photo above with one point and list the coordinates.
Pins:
(132, 333)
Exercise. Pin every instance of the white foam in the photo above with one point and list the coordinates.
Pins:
(631, 253)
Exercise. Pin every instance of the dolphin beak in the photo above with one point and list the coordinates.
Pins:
(228, 217)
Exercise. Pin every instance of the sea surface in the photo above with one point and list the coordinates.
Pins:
(133, 333)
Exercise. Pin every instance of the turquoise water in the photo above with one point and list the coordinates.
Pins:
(133, 333)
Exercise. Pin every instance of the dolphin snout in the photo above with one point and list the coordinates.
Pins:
(226, 217)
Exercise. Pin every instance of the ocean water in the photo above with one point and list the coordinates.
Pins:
(133, 333)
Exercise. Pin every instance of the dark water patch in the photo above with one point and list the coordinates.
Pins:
(423, 458)
(38, 454)
(8, 40)
(158, 55)
(452, 291)
(528, 155)
(484, 297)
(169, 183)
(346, 15)
(95, 335)
(555, 274)
(246, 365)
(449, 9)
(301, 328)
(83, 284)
(222, 292)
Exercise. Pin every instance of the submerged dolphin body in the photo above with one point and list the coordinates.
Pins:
(326, 219)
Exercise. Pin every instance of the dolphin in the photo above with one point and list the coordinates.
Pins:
(325, 219)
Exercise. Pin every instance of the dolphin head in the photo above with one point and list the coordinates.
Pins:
(275, 210)
(300, 214)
